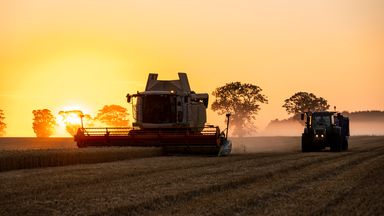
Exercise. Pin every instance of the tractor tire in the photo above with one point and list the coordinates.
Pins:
(305, 143)
(337, 143)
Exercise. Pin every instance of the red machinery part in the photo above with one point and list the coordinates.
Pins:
(206, 141)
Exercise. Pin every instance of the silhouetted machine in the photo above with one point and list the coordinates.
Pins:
(167, 114)
(325, 129)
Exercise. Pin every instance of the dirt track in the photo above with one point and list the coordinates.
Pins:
(283, 183)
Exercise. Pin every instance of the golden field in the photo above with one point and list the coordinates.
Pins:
(256, 179)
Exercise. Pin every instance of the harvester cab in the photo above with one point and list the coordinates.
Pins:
(169, 104)
(325, 129)
(167, 114)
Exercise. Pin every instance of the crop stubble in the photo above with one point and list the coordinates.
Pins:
(256, 183)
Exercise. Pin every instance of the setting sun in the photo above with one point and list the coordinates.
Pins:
(72, 118)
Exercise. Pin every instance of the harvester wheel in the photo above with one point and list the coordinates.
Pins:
(345, 144)
(81, 144)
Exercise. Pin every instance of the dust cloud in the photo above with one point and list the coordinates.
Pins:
(278, 136)
(371, 128)
(265, 144)
(283, 128)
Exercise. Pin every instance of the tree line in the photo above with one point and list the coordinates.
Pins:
(242, 100)
(44, 122)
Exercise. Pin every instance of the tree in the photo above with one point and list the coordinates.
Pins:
(73, 120)
(2, 124)
(242, 101)
(113, 115)
(43, 123)
(302, 102)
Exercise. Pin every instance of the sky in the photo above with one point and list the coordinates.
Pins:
(84, 54)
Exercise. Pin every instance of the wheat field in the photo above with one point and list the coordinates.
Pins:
(252, 181)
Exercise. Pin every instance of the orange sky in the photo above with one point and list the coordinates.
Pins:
(86, 54)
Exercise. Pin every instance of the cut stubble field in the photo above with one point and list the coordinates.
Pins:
(264, 176)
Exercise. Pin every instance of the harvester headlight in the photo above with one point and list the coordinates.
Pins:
(317, 135)
(322, 135)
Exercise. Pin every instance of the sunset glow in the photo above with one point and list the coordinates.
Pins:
(69, 119)
(85, 54)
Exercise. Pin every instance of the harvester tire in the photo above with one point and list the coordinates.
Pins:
(345, 144)
(81, 144)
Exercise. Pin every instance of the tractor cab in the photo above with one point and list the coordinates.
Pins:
(319, 120)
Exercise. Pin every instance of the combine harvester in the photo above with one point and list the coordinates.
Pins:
(167, 114)
(325, 129)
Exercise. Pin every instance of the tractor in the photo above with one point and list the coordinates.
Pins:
(325, 129)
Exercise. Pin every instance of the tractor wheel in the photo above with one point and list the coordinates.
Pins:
(305, 143)
(337, 142)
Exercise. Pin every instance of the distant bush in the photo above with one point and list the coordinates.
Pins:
(2, 124)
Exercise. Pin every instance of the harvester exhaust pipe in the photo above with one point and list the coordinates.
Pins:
(226, 134)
